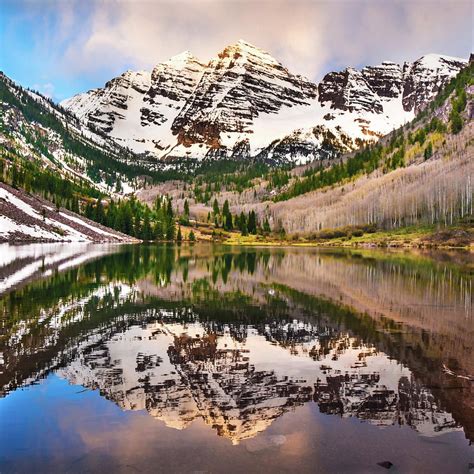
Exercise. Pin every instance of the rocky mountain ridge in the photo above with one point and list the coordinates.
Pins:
(245, 104)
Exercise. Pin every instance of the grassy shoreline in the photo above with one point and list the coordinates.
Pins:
(452, 237)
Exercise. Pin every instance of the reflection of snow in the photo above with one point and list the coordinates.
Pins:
(40, 258)
(179, 372)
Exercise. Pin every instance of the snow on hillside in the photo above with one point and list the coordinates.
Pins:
(27, 218)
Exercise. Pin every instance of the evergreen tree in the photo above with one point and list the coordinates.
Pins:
(15, 177)
(227, 216)
(226, 209)
(266, 226)
(186, 210)
(215, 207)
(158, 230)
(126, 219)
(99, 215)
(179, 237)
(170, 231)
(243, 224)
(146, 229)
(456, 122)
(137, 224)
(252, 223)
(228, 221)
(89, 211)
(192, 237)
(169, 210)
(75, 205)
(428, 151)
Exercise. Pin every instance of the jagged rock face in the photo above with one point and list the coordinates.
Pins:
(416, 83)
(171, 85)
(425, 77)
(101, 108)
(245, 104)
(349, 90)
(134, 108)
(318, 143)
(241, 83)
(385, 80)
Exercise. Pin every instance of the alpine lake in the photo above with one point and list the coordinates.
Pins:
(211, 358)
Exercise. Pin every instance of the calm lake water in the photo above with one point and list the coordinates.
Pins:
(216, 359)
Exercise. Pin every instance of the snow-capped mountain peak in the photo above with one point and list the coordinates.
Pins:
(245, 103)
(181, 60)
(246, 51)
(433, 61)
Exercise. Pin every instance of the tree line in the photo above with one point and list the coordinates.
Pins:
(135, 218)
(246, 223)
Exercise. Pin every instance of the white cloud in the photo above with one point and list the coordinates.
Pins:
(306, 36)
(47, 89)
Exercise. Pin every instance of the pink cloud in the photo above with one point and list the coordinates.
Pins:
(305, 36)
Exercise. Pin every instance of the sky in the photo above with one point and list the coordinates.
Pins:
(63, 47)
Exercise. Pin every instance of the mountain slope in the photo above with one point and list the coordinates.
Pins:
(245, 104)
(35, 132)
(28, 218)
(55, 164)
(138, 108)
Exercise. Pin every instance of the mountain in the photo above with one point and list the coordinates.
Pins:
(35, 130)
(245, 104)
(137, 108)
(53, 168)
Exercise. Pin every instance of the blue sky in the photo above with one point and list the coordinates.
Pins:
(63, 47)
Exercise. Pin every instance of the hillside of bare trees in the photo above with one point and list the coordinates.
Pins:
(438, 190)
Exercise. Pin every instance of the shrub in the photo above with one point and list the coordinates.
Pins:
(428, 151)
(456, 122)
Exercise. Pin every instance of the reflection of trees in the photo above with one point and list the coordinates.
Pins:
(420, 350)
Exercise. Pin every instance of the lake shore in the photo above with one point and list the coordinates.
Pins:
(455, 237)
(452, 237)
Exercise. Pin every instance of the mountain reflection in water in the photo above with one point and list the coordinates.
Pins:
(239, 337)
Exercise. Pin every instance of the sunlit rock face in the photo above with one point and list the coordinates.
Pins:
(242, 83)
(349, 90)
(245, 104)
(424, 78)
